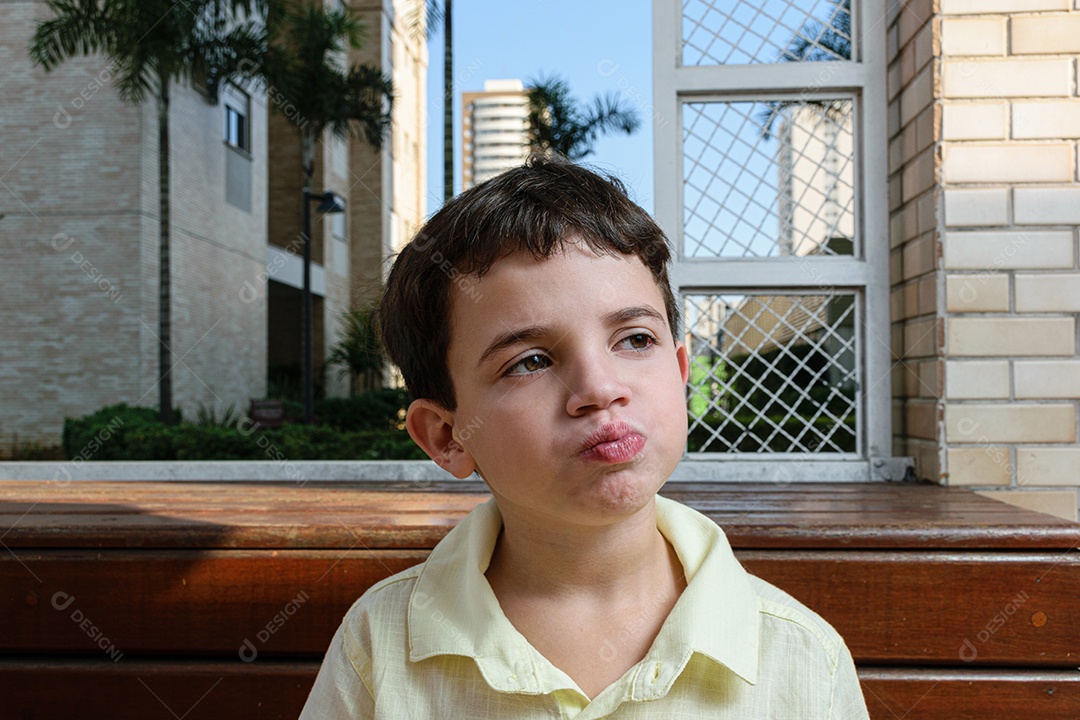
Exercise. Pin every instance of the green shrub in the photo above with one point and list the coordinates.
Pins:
(121, 432)
(117, 432)
(373, 410)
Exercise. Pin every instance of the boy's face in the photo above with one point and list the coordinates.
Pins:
(570, 386)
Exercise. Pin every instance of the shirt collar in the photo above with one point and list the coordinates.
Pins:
(452, 609)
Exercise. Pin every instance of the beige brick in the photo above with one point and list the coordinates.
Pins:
(1008, 250)
(973, 121)
(967, 337)
(924, 46)
(892, 117)
(921, 420)
(917, 94)
(975, 163)
(976, 207)
(892, 80)
(921, 339)
(918, 176)
(1061, 503)
(1048, 292)
(930, 377)
(983, 292)
(979, 7)
(1047, 206)
(919, 256)
(1009, 423)
(1048, 466)
(973, 36)
(1045, 34)
(926, 210)
(977, 380)
(927, 455)
(1007, 78)
(926, 295)
(1047, 379)
(915, 15)
(1051, 119)
(979, 466)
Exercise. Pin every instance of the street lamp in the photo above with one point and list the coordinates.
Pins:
(329, 202)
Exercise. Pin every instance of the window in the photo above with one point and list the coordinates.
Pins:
(237, 106)
(771, 182)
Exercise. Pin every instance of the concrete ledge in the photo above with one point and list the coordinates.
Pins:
(732, 469)
(296, 471)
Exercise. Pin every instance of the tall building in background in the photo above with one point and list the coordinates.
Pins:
(494, 130)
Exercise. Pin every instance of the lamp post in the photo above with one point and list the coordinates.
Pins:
(329, 202)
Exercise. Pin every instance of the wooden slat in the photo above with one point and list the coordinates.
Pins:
(906, 608)
(154, 689)
(184, 601)
(938, 607)
(216, 690)
(913, 694)
(391, 515)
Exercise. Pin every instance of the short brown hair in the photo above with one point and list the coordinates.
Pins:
(536, 208)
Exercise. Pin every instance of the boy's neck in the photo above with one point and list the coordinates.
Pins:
(623, 560)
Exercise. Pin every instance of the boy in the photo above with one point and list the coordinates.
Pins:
(534, 324)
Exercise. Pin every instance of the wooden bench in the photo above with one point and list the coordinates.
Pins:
(217, 600)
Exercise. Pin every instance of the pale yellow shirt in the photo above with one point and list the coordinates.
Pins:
(432, 642)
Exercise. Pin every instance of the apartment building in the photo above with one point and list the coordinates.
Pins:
(494, 127)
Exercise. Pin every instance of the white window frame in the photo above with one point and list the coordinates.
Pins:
(866, 273)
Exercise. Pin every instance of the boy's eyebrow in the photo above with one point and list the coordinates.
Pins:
(523, 335)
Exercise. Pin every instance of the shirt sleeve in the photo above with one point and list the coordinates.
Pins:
(339, 692)
(848, 702)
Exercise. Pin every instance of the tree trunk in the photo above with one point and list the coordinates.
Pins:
(165, 394)
(307, 149)
(448, 105)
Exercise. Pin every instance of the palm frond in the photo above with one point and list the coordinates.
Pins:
(557, 123)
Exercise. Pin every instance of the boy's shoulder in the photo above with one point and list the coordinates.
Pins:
(781, 618)
(782, 614)
(389, 596)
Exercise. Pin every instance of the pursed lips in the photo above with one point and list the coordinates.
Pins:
(613, 442)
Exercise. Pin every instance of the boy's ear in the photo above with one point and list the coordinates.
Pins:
(432, 427)
(684, 361)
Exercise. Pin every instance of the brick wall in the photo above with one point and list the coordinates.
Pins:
(914, 236)
(998, 409)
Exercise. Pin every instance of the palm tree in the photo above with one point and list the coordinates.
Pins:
(155, 43)
(302, 66)
(557, 123)
(358, 353)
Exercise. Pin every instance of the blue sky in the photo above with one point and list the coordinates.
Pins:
(598, 46)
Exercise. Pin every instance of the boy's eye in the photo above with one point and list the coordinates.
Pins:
(638, 341)
(530, 364)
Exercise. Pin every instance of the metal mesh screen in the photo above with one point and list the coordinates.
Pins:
(772, 373)
(769, 178)
(728, 32)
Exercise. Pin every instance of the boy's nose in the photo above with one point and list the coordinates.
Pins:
(595, 385)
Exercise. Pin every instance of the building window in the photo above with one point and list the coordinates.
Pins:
(337, 226)
(237, 106)
(237, 123)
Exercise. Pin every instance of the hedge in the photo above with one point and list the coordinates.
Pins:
(367, 427)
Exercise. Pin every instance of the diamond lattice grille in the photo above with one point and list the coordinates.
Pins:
(767, 179)
(772, 373)
(731, 32)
